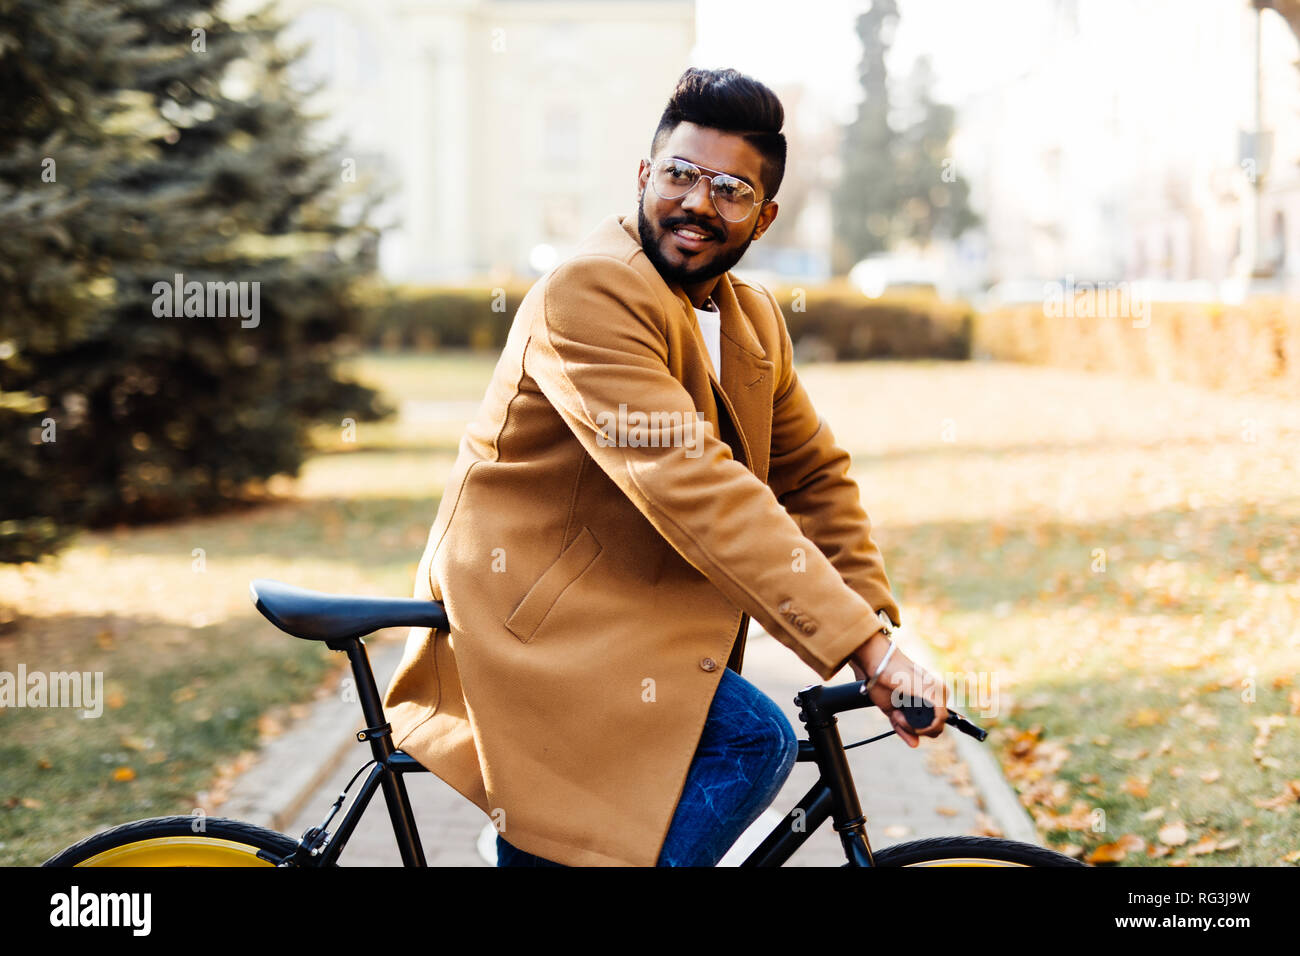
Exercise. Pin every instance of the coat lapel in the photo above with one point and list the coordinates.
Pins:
(745, 390)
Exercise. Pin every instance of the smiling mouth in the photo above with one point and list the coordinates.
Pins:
(691, 237)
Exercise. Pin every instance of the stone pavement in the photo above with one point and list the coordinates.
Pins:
(907, 794)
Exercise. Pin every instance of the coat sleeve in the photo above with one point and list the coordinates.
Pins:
(808, 473)
(598, 342)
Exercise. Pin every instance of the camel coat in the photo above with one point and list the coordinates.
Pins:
(600, 550)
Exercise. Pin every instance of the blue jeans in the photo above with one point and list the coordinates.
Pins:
(746, 751)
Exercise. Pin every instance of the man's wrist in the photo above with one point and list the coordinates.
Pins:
(875, 648)
(870, 652)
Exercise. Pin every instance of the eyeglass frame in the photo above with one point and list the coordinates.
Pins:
(704, 169)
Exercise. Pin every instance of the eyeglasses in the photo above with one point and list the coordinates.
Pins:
(672, 178)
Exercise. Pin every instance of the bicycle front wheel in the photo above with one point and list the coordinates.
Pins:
(172, 841)
(970, 851)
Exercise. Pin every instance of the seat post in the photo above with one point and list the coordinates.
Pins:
(372, 709)
(400, 811)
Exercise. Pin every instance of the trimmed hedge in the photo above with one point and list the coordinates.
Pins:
(826, 322)
(425, 318)
(837, 322)
(1209, 344)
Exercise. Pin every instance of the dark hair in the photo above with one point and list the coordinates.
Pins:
(731, 101)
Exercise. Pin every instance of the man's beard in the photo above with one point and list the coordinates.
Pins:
(683, 274)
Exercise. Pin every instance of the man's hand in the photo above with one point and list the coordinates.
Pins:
(904, 681)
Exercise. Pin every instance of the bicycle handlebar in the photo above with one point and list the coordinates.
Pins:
(836, 698)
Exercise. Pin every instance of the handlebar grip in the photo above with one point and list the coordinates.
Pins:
(919, 716)
(922, 715)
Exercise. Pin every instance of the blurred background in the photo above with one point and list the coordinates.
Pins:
(1040, 260)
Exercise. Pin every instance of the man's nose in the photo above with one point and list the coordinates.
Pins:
(699, 199)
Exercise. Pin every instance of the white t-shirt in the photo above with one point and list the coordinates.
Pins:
(711, 326)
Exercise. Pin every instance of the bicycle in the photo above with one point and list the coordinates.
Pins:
(341, 622)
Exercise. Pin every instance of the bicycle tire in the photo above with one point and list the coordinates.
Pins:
(171, 841)
(970, 851)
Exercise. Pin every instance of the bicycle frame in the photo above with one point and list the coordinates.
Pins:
(833, 796)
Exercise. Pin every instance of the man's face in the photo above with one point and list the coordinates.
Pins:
(677, 258)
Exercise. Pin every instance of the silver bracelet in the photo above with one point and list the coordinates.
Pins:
(885, 660)
(888, 631)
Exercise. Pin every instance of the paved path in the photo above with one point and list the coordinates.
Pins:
(907, 794)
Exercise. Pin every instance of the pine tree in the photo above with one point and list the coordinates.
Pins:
(896, 184)
(140, 142)
(864, 200)
(932, 200)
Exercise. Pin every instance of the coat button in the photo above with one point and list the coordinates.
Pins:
(708, 664)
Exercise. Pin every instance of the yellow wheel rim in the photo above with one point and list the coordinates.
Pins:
(966, 861)
(193, 850)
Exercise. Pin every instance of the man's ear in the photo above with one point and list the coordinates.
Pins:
(765, 217)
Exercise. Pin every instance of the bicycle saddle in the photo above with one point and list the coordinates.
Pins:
(316, 616)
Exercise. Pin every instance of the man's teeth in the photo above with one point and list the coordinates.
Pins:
(690, 234)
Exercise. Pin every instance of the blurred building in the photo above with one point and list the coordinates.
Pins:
(505, 129)
(1119, 152)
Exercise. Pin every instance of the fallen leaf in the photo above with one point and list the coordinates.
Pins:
(1132, 842)
(1081, 817)
(1153, 814)
(1264, 727)
(31, 803)
(123, 773)
(1145, 717)
(1107, 853)
(1173, 833)
(1206, 844)
(1137, 754)
(1289, 795)
(1210, 776)
(947, 811)
(1136, 787)
(115, 700)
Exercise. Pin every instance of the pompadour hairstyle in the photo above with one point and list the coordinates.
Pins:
(729, 100)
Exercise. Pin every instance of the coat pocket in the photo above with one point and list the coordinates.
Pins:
(541, 597)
